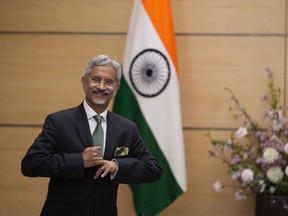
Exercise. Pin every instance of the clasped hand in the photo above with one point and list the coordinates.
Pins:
(92, 158)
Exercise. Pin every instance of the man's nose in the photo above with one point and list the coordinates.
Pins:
(102, 85)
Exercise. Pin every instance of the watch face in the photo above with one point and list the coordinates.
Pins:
(149, 72)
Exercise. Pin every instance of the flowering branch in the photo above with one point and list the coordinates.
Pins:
(257, 158)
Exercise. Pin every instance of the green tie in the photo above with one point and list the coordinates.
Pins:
(98, 134)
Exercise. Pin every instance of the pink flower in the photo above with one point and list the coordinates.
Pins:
(235, 175)
(241, 132)
(278, 120)
(286, 148)
(247, 175)
(240, 195)
(217, 186)
(235, 160)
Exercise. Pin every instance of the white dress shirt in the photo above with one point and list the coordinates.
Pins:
(92, 122)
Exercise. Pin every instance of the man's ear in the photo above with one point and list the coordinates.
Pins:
(118, 87)
(83, 81)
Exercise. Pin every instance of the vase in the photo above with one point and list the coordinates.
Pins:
(271, 205)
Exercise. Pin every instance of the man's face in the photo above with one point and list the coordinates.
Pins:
(100, 86)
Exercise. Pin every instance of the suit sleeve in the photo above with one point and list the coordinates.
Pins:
(45, 159)
(140, 166)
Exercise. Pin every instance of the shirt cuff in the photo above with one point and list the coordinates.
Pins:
(112, 176)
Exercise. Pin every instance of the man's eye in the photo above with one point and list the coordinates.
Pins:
(109, 82)
(96, 79)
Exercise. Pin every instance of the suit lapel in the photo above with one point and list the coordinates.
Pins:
(110, 137)
(82, 127)
(83, 130)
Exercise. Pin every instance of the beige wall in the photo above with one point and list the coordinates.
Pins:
(44, 46)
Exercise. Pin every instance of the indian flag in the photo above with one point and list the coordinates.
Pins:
(149, 96)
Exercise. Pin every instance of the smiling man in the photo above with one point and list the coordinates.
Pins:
(87, 151)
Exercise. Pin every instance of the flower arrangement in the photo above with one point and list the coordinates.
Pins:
(256, 157)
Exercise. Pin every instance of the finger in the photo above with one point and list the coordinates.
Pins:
(98, 172)
(98, 161)
(95, 148)
(106, 171)
(86, 150)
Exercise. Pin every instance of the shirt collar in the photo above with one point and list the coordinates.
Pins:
(90, 112)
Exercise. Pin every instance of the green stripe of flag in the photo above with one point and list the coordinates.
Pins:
(164, 191)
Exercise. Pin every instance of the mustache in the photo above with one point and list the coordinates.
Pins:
(103, 92)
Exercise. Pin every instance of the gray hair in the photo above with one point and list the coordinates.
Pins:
(103, 60)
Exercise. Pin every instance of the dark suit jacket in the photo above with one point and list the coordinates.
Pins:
(73, 191)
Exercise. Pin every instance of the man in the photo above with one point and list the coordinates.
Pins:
(84, 178)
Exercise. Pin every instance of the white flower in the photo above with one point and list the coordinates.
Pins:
(263, 186)
(275, 174)
(229, 142)
(270, 155)
(241, 132)
(272, 190)
(247, 175)
(217, 186)
(286, 170)
(286, 148)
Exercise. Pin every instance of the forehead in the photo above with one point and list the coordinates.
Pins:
(106, 72)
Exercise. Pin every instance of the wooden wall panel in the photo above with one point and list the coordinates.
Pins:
(125, 201)
(44, 46)
(47, 69)
(197, 16)
(226, 16)
(72, 16)
(19, 195)
(284, 91)
(41, 74)
(209, 64)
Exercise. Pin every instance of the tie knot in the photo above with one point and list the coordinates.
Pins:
(98, 118)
